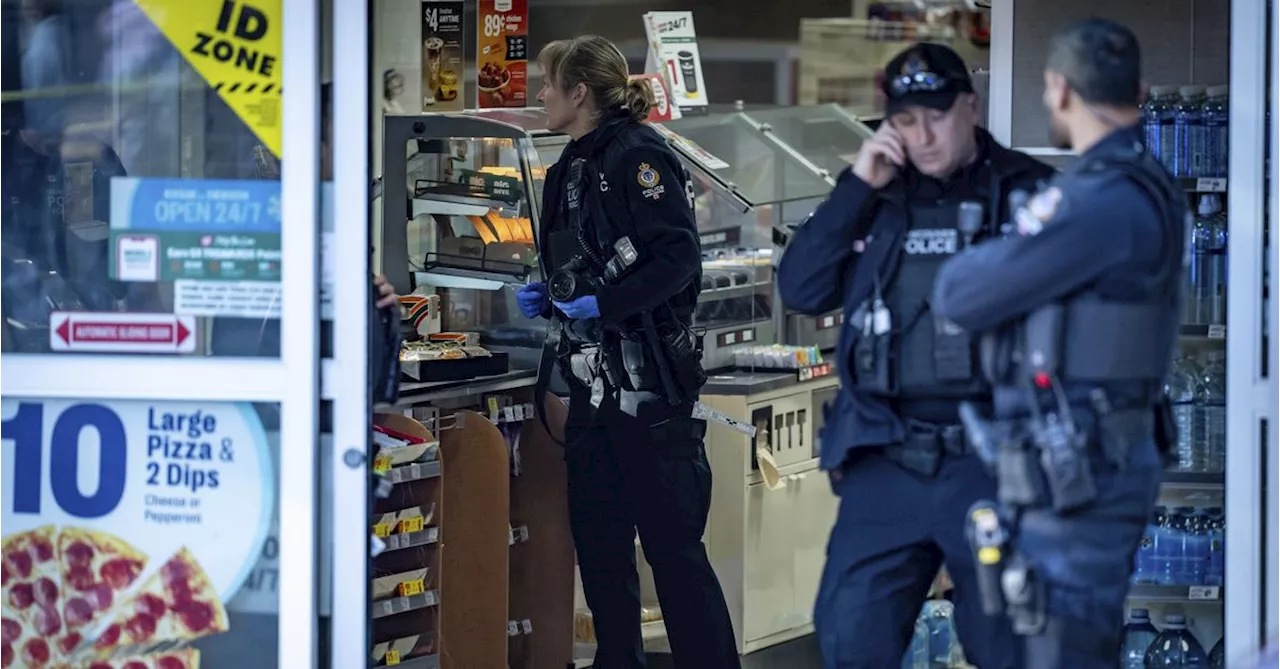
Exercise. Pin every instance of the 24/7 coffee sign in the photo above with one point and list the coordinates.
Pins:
(235, 46)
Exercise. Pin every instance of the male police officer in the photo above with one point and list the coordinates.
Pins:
(928, 184)
(1080, 311)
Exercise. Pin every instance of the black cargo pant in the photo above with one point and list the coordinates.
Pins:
(639, 465)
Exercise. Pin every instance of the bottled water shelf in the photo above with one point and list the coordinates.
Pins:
(1218, 332)
(1195, 480)
(1203, 184)
(1175, 593)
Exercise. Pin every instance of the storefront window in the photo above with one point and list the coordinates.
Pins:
(141, 192)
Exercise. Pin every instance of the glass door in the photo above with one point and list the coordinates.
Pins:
(160, 367)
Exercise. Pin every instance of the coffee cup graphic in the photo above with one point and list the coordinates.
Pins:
(688, 73)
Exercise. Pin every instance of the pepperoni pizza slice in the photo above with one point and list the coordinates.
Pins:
(96, 569)
(31, 618)
(176, 603)
(183, 658)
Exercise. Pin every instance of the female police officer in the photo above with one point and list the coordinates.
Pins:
(620, 242)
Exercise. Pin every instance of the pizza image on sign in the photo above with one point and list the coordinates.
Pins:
(78, 598)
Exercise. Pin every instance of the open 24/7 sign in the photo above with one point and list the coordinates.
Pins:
(235, 46)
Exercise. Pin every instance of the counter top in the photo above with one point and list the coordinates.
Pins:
(750, 383)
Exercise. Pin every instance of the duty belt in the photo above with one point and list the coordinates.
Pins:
(925, 444)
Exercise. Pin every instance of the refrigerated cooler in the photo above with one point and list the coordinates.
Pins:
(1208, 555)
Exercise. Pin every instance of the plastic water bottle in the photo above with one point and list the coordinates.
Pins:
(1188, 132)
(1158, 122)
(1182, 391)
(1215, 132)
(1215, 312)
(1144, 560)
(1175, 647)
(1207, 274)
(1216, 569)
(1139, 633)
(1213, 404)
(1168, 547)
(1195, 547)
(917, 655)
(1217, 659)
(944, 648)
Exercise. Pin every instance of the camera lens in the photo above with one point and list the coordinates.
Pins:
(562, 285)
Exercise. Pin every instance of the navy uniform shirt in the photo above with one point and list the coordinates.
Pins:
(1100, 233)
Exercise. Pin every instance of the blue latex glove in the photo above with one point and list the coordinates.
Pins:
(532, 299)
(583, 307)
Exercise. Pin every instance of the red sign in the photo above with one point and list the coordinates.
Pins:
(502, 54)
(663, 110)
(121, 333)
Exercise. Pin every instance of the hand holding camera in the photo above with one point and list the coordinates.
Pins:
(532, 299)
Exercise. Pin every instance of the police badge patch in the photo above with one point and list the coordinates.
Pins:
(649, 181)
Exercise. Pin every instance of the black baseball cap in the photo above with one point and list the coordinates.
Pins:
(925, 74)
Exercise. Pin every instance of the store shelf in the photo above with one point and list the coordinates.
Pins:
(1175, 593)
(431, 661)
(397, 605)
(418, 392)
(416, 471)
(1215, 332)
(1203, 184)
(426, 537)
(1194, 480)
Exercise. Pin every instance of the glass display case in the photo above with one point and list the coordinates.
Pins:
(828, 137)
(462, 238)
(776, 186)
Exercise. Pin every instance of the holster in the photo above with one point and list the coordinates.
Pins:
(1065, 463)
(924, 446)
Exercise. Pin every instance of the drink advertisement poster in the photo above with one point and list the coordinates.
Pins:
(662, 110)
(129, 528)
(442, 65)
(502, 53)
(673, 50)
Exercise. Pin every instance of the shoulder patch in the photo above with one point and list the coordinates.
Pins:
(650, 182)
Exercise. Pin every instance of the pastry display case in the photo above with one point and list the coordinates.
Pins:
(829, 137)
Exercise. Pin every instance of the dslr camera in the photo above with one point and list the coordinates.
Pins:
(578, 277)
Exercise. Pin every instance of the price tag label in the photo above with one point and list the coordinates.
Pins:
(1217, 331)
(393, 657)
(513, 628)
(410, 588)
(527, 626)
(1202, 592)
(382, 530)
(382, 464)
(1211, 185)
(508, 415)
(413, 524)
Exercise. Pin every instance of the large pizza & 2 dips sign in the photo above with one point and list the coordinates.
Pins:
(126, 526)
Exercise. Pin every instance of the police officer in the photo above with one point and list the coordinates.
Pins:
(1079, 308)
(620, 245)
(928, 184)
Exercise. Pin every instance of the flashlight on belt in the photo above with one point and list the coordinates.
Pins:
(988, 540)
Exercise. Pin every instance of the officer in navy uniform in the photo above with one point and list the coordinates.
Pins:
(1079, 315)
(620, 245)
(927, 184)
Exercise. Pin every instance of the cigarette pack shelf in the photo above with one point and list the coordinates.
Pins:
(473, 561)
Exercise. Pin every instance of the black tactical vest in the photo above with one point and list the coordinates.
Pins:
(935, 358)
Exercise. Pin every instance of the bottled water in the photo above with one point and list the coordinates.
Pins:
(1195, 547)
(1206, 277)
(1216, 568)
(1158, 121)
(1139, 633)
(944, 648)
(1213, 404)
(1187, 416)
(917, 655)
(1188, 132)
(1216, 656)
(1175, 647)
(1215, 132)
(1144, 560)
(1167, 552)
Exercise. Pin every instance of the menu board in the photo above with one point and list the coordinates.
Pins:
(442, 40)
(502, 54)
